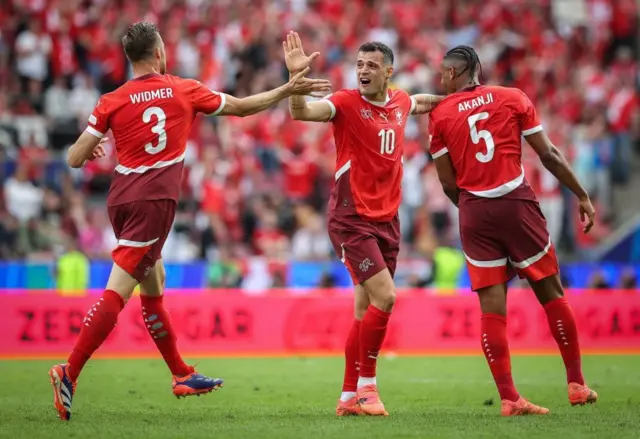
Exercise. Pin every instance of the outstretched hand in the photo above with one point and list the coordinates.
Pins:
(587, 214)
(299, 85)
(294, 55)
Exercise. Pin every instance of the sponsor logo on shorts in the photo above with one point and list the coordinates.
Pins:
(146, 271)
(364, 265)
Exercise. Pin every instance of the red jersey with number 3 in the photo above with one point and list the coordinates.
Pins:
(481, 128)
(370, 141)
(150, 118)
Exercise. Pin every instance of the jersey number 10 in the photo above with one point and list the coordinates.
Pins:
(158, 128)
(485, 135)
(387, 141)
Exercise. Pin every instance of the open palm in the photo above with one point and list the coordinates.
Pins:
(294, 55)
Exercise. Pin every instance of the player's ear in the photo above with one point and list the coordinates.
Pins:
(389, 72)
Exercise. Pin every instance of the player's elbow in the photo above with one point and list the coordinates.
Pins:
(73, 160)
(296, 114)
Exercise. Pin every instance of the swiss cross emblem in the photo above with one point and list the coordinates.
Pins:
(366, 113)
(399, 117)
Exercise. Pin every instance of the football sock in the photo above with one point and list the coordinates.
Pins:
(158, 324)
(366, 381)
(496, 350)
(563, 327)
(346, 396)
(351, 357)
(96, 327)
(372, 332)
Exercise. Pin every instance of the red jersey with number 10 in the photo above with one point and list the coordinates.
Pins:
(370, 142)
(481, 128)
(150, 118)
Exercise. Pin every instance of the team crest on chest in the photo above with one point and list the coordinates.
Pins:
(366, 114)
(399, 117)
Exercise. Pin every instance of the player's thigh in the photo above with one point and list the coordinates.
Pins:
(153, 284)
(356, 245)
(528, 243)
(388, 235)
(141, 229)
(486, 257)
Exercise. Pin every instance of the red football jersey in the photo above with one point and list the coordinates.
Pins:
(150, 118)
(370, 142)
(481, 128)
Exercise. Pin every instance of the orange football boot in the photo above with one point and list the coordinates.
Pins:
(370, 402)
(521, 407)
(580, 394)
(63, 390)
(349, 408)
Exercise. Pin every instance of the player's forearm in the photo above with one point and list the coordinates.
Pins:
(257, 103)
(555, 163)
(453, 192)
(298, 107)
(76, 157)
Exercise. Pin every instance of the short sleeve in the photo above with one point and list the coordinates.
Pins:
(337, 102)
(528, 117)
(204, 100)
(99, 119)
(437, 147)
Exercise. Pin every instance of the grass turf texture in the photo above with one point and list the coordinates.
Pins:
(437, 397)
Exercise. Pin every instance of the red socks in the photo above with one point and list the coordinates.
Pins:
(351, 357)
(496, 350)
(563, 327)
(372, 331)
(157, 321)
(96, 327)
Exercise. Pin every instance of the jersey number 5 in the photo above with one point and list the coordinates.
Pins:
(387, 141)
(158, 128)
(485, 135)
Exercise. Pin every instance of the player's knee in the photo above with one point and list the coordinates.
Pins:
(385, 298)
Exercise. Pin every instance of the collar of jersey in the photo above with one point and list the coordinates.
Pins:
(378, 104)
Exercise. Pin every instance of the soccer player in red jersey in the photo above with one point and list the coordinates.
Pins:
(368, 126)
(476, 143)
(150, 117)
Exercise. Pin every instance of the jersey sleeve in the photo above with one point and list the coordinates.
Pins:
(528, 117)
(337, 102)
(437, 147)
(99, 119)
(204, 100)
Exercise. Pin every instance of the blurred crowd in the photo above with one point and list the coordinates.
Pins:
(259, 185)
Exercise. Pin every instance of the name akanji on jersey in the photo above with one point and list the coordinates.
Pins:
(369, 140)
(150, 118)
(480, 128)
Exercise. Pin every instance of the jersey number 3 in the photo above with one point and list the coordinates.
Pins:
(485, 135)
(158, 128)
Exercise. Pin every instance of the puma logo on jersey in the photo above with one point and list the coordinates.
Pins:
(384, 116)
(146, 96)
(475, 103)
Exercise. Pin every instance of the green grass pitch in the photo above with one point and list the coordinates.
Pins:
(428, 397)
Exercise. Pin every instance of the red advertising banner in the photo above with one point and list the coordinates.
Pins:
(230, 323)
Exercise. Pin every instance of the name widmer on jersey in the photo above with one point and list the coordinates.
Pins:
(475, 102)
(146, 96)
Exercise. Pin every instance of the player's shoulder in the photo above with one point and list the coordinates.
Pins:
(399, 93)
(344, 93)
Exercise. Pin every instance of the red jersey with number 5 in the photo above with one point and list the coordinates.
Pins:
(150, 118)
(370, 141)
(481, 128)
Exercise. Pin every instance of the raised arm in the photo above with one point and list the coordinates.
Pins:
(297, 86)
(553, 160)
(296, 60)
(424, 103)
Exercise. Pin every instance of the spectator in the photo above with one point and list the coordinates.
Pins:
(33, 47)
(23, 199)
(225, 272)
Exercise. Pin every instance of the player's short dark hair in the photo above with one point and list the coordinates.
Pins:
(469, 56)
(377, 46)
(140, 41)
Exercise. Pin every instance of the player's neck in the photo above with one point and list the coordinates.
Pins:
(378, 97)
(143, 69)
(467, 85)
